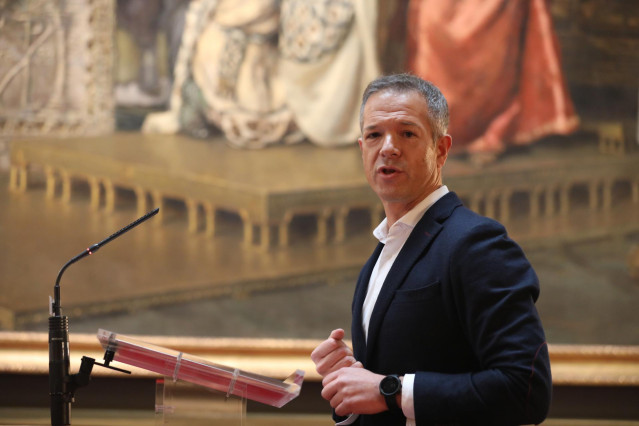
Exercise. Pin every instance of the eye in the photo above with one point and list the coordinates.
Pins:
(409, 134)
(372, 135)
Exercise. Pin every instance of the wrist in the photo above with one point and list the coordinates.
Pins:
(390, 387)
(399, 394)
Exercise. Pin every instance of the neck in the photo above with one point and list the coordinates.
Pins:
(393, 214)
(395, 210)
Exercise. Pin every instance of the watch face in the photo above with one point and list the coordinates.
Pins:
(389, 385)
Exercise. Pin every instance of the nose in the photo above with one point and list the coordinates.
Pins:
(390, 148)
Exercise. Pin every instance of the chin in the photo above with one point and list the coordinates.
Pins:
(390, 197)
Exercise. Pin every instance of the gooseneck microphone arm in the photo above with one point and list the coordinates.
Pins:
(62, 386)
(91, 250)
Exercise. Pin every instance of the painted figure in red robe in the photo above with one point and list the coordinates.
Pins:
(498, 64)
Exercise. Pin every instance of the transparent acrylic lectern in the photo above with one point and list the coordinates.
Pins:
(196, 391)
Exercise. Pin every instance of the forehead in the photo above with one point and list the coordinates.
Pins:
(391, 105)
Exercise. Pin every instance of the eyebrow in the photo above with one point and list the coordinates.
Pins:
(403, 123)
(409, 123)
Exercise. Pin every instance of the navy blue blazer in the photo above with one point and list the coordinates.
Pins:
(457, 309)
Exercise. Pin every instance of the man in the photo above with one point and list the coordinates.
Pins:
(444, 328)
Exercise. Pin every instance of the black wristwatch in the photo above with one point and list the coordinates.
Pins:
(389, 387)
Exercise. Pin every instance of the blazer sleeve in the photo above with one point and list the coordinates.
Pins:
(495, 289)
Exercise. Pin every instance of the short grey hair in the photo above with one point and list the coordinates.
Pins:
(402, 83)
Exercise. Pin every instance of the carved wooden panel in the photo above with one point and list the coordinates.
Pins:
(56, 65)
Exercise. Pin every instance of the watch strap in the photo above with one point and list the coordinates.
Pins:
(391, 397)
(391, 402)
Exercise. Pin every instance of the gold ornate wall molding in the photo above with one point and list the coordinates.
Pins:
(27, 353)
(572, 365)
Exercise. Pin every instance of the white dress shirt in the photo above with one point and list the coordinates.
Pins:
(393, 240)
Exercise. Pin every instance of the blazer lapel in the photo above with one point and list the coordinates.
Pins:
(417, 243)
(357, 332)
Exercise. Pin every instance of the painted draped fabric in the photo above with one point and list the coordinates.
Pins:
(275, 71)
(497, 62)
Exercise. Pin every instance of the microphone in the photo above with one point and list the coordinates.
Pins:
(61, 385)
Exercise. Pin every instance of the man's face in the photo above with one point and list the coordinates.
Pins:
(402, 163)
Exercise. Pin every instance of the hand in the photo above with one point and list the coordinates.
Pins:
(333, 354)
(354, 390)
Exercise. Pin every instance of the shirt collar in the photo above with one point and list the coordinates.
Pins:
(413, 216)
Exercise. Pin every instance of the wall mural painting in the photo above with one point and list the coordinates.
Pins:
(240, 120)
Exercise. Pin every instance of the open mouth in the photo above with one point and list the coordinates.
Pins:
(387, 170)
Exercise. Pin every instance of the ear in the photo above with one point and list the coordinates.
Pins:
(359, 142)
(443, 147)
